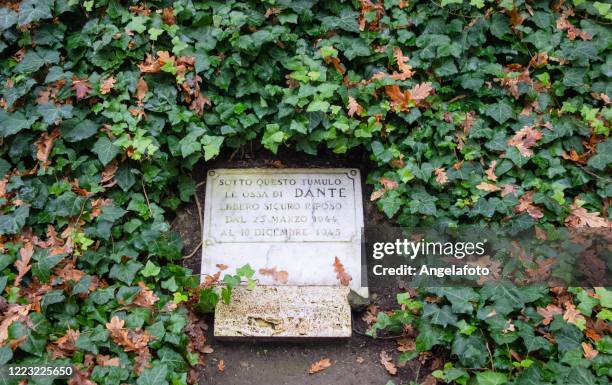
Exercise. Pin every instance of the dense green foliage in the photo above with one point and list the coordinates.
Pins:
(504, 334)
(474, 111)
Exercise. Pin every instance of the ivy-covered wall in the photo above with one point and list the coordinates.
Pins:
(473, 111)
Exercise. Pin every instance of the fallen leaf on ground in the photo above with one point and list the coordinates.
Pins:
(589, 351)
(141, 90)
(104, 360)
(354, 107)
(81, 87)
(573, 32)
(221, 366)
(44, 145)
(23, 263)
(387, 362)
(572, 315)
(525, 139)
(580, 217)
(320, 365)
(14, 313)
(406, 345)
(388, 184)
(508, 189)
(149, 65)
(421, 91)
(370, 314)
(199, 103)
(490, 172)
(168, 16)
(146, 297)
(107, 85)
(489, 187)
(403, 100)
(196, 331)
(548, 312)
(80, 377)
(526, 204)
(64, 346)
(131, 341)
(468, 122)
(377, 194)
(336, 63)
(108, 174)
(405, 70)
(440, 175)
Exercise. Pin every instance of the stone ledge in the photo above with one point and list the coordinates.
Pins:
(285, 312)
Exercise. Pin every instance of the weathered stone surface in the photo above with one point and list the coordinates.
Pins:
(289, 225)
(292, 220)
(291, 312)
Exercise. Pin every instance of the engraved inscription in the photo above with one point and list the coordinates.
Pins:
(278, 207)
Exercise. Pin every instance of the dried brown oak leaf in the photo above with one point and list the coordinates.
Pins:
(387, 362)
(354, 107)
(81, 87)
(524, 139)
(341, 273)
(320, 365)
(107, 85)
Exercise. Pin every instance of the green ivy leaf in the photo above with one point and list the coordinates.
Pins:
(12, 123)
(170, 284)
(33, 60)
(5, 355)
(8, 18)
(423, 203)
(105, 149)
(459, 297)
(245, 271)
(469, 350)
(74, 130)
(34, 10)
(13, 222)
(273, 137)
(391, 203)
(52, 113)
(605, 297)
(439, 315)
(111, 213)
(156, 375)
(491, 378)
(212, 146)
(44, 263)
(125, 272)
(347, 21)
(505, 296)
(500, 111)
(150, 270)
(602, 158)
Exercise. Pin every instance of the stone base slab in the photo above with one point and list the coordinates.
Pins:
(285, 312)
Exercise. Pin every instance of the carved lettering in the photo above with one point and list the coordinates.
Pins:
(284, 207)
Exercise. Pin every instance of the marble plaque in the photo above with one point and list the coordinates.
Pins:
(294, 222)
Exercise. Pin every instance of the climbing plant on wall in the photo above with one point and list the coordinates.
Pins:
(473, 111)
